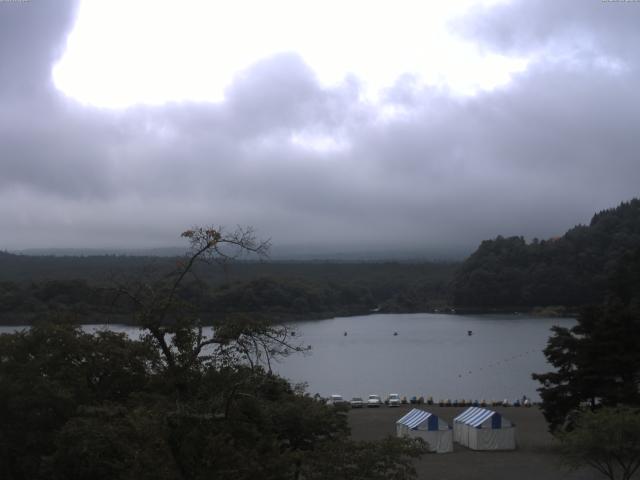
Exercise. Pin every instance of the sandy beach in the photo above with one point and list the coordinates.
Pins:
(534, 458)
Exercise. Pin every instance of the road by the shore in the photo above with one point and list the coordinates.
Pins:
(534, 459)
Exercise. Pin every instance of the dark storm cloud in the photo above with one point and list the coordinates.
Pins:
(310, 164)
(41, 146)
(32, 39)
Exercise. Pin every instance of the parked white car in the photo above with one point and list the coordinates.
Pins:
(394, 400)
(336, 400)
(357, 402)
(374, 401)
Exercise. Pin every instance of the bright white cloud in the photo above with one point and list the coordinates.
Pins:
(302, 160)
(122, 52)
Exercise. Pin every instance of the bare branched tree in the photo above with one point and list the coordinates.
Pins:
(174, 325)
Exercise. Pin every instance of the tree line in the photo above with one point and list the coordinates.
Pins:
(281, 292)
(571, 271)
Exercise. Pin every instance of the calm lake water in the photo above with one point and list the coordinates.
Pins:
(431, 355)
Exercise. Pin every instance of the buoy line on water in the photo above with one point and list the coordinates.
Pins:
(500, 362)
(490, 365)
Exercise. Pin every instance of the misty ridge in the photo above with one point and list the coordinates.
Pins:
(556, 276)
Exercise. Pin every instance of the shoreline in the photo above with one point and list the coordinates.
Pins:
(8, 320)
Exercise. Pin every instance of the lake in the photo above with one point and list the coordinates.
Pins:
(431, 355)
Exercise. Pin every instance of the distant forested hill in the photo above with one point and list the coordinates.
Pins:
(571, 271)
(34, 286)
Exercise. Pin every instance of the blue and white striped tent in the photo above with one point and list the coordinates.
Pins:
(482, 429)
(433, 430)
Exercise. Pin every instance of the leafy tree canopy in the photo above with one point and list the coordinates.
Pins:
(572, 270)
(607, 440)
(176, 403)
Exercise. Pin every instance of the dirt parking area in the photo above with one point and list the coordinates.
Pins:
(534, 458)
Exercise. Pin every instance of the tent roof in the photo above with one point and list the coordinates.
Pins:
(474, 416)
(467, 413)
(414, 418)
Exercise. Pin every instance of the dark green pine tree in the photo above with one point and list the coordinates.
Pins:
(597, 361)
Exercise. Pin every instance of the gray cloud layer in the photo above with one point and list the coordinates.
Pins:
(532, 158)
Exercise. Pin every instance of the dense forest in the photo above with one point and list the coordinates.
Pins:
(569, 271)
(87, 287)
(502, 274)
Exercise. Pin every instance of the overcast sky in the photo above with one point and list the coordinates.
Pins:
(367, 125)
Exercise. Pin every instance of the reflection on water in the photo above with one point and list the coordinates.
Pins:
(431, 355)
